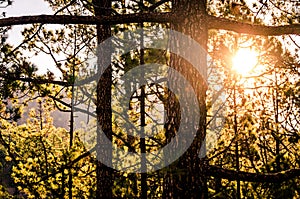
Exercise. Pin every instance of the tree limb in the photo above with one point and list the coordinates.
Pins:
(213, 22)
(92, 20)
(253, 177)
(253, 29)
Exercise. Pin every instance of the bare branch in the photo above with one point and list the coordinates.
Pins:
(92, 20)
(253, 177)
(239, 27)
(213, 22)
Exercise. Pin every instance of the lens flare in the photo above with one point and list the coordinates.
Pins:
(244, 61)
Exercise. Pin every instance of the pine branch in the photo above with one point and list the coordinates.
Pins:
(38, 80)
(253, 29)
(213, 22)
(91, 20)
(253, 177)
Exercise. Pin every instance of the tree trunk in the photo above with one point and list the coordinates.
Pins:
(186, 177)
(104, 113)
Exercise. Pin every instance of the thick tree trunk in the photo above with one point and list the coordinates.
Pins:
(186, 177)
(104, 112)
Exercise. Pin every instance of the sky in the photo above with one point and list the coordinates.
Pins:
(21, 8)
(29, 7)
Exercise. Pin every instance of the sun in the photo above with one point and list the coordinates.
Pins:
(244, 61)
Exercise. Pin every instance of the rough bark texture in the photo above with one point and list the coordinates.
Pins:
(104, 114)
(185, 178)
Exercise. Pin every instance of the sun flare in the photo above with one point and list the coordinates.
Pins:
(244, 61)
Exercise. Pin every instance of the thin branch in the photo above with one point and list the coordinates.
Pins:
(65, 7)
(157, 4)
(69, 106)
(26, 40)
(39, 80)
(284, 11)
(295, 43)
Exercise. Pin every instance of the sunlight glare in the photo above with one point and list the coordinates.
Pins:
(244, 61)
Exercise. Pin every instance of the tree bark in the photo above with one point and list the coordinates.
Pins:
(105, 175)
(185, 178)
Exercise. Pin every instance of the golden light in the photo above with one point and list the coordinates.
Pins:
(244, 61)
